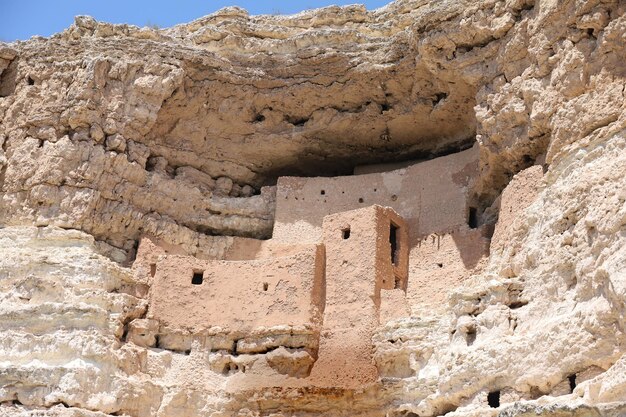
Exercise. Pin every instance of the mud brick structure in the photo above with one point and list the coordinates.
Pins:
(342, 261)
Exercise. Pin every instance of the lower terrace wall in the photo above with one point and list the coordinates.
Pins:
(440, 263)
(239, 295)
(431, 196)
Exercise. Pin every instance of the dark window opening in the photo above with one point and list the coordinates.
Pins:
(197, 278)
(265, 286)
(322, 192)
(572, 382)
(345, 233)
(493, 398)
(395, 244)
(397, 284)
(394, 197)
(360, 200)
(152, 270)
(472, 220)
(439, 264)
(30, 81)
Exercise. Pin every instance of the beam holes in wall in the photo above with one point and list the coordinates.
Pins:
(197, 278)
(345, 233)
(394, 241)
(360, 200)
(323, 192)
(493, 399)
(572, 382)
(472, 218)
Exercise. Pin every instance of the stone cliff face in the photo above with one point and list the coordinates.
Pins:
(110, 132)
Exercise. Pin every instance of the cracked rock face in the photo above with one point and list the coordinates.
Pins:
(109, 132)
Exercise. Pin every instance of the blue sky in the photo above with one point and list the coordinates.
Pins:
(22, 19)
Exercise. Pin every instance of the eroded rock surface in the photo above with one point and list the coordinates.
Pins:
(112, 132)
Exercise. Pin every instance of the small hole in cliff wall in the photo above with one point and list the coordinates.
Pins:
(265, 286)
(394, 197)
(517, 304)
(345, 233)
(40, 144)
(8, 79)
(152, 270)
(197, 278)
(323, 192)
(572, 382)
(259, 118)
(360, 200)
(151, 164)
(590, 31)
(527, 159)
(439, 97)
(394, 242)
(439, 264)
(397, 285)
(30, 81)
(493, 399)
(472, 218)
(470, 336)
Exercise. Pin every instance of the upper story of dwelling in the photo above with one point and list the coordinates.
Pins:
(431, 196)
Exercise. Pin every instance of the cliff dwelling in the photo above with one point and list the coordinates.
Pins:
(347, 254)
(412, 211)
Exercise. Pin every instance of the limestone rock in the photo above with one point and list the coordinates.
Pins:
(296, 364)
(112, 135)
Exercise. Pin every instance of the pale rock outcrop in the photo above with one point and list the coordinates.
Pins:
(109, 132)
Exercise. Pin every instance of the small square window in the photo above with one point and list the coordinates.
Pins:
(345, 233)
(197, 277)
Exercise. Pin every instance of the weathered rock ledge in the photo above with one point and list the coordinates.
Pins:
(111, 132)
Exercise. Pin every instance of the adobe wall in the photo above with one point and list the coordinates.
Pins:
(358, 267)
(440, 263)
(239, 295)
(431, 196)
